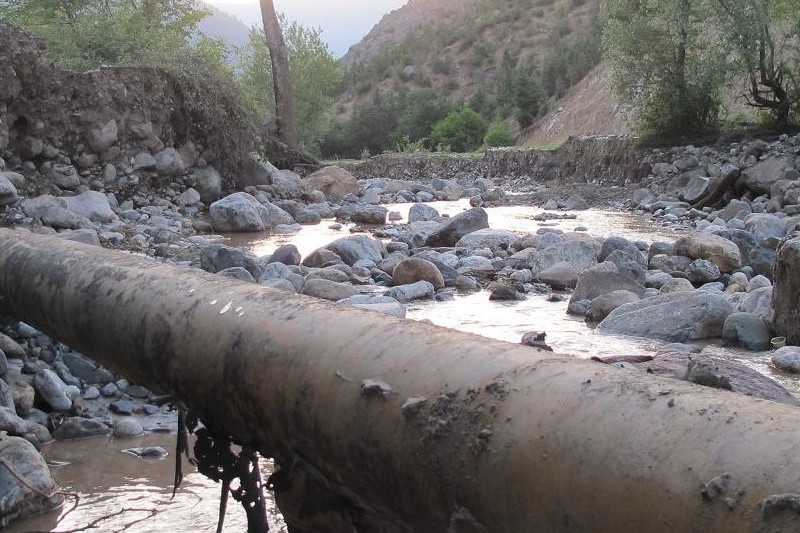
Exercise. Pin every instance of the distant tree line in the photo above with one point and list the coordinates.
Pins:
(675, 62)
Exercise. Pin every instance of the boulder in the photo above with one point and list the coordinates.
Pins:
(415, 269)
(29, 490)
(328, 290)
(677, 285)
(763, 175)
(86, 236)
(207, 181)
(672, 317)
(92, 205)
(560, 276)
(746, 330)
(81, 428)
(413, 291)
(334, 181)
(605, 303)
(487, 238)
(355, 247)
(102, 136)
(420, 212)
(736, 209)
(169, 163)
(287, 184)
(786, 292)
(702, 271)
(594, 283)
(255, 172)
(369, 214)
(580, 254)
(286, 254)
(52, 212)
(11, 348)
(702, 245)
(218, 257)
(765, 225)
(696, 188)
(8, 193)
(52, 390)
(239, 212)
(381, 304)
(787, 359)
(612, 244)
(462, 224)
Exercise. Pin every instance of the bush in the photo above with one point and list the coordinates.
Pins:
(462, 130)
(498, 135)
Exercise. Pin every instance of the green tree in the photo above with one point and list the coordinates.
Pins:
(84, 34)
(462, 131)
(661, 65)
(498, 135)
(759, 35)
(315, 77)
(421, 109)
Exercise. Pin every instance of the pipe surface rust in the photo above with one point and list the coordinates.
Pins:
(413, 427)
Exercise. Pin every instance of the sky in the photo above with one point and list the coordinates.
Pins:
(343, 22)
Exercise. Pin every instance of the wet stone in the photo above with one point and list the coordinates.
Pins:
(149, 452)
(137, 391)
(122, 407)
(81, 428)
(109, 390)
(127, 427)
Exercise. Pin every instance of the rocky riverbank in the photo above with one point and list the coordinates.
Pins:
(716, 281)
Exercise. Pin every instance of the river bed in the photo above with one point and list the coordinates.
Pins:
(108, 479)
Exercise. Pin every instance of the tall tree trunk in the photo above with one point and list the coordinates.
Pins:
(284, 97)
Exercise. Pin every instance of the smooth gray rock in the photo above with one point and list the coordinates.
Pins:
(763, 175)
(218, 257)
(458, 226)
(413, 291)
(334, 181)
(677, 285)
(81, 428)
(6, 398)
(238, 273)
(239, 212)
(11, 348)
(594, 283)
(602, 306)
(787, 359)
(702, 245)
(189, 197)
(736, 209)
(580, 254)
(52, 390)
(208, 182)
(127, 427)
(369, 214)
(560, 276)
(8, 193)
(328, 290)
(286, 254)
(673, 317)
(746, 330)
(169, 163)
(765, 225)
(92, 205)
(487, 238)
(670, 263)
(85, 236)
(52, 212)
(86, 369)
(287, 184)
(381, 304)
(31, 496)
(356, 247)
(415, 269)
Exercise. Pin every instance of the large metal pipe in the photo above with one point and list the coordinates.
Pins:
(508, 439)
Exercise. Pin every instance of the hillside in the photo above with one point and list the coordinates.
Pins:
(221, 25)
(512, 59)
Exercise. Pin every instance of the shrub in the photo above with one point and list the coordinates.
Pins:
(498, 135)
(462, 130)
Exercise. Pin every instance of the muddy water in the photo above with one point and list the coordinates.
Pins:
(109, 480)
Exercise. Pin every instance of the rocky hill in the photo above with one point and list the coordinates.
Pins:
(472, 49)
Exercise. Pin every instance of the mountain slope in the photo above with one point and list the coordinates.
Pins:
(500, 54)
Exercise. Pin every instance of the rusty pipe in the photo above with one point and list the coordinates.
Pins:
(414, 427)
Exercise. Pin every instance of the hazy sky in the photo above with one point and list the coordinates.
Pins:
(343, 22)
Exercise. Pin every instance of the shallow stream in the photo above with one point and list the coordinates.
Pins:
(108, 479)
